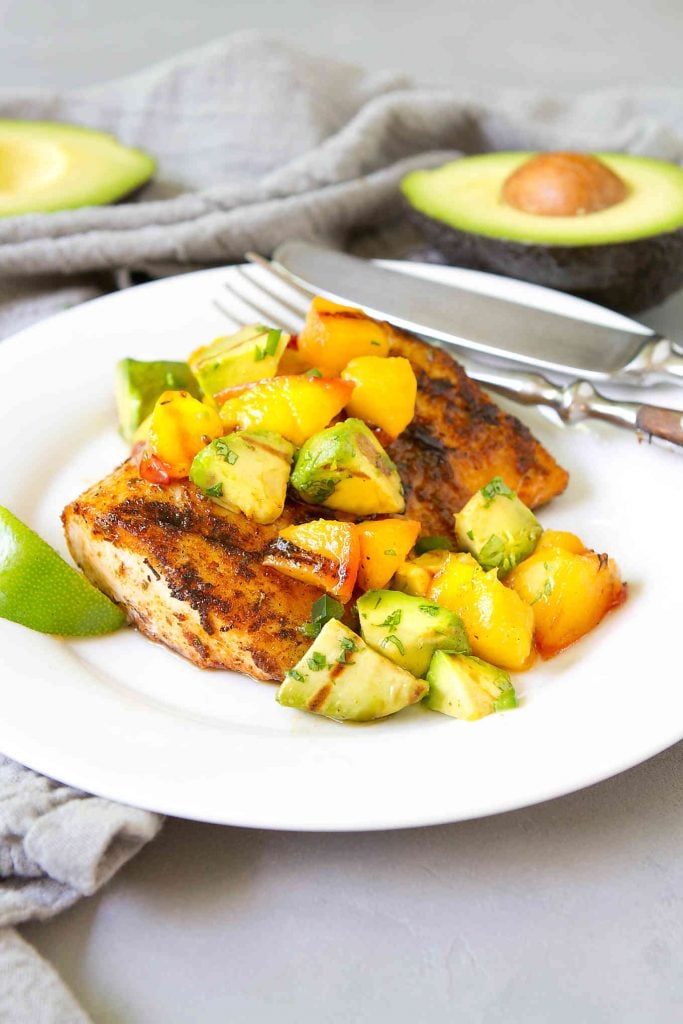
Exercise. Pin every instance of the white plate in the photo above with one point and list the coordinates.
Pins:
(127, 719)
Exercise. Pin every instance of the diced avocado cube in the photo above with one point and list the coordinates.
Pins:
(246, 472)
(497, 528)
(345, 467)
(408, 630)
(139, 384)
(251, 354)
(466, 687)
(341, 678)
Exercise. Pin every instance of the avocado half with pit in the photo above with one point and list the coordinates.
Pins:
(47, 166)
(605, 226)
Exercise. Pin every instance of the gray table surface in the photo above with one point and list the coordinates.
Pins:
(569, 912)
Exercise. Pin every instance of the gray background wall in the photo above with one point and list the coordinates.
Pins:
(485, 43)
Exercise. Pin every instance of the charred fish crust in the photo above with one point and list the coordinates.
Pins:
(139, 514)
(422, 436)
(187, 585)
(486, 413)
(151, 568)
(244, 570)
(435, 386)
(199, 647)
(266, 664)
(288, 633)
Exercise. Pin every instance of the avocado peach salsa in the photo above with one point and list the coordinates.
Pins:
(443, 619)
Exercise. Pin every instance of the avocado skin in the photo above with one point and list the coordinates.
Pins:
(625, 276)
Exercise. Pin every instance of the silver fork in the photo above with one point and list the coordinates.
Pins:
(270, 295)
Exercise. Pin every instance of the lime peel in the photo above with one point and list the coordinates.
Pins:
(38, 589)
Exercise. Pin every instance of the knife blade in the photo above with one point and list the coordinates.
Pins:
(484, 324)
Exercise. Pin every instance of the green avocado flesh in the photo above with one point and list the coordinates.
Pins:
(466, 195)
(138, 384)
(466, 687)
(246, 472)
(342, 678)
(497, 528)
(408, 630)
(344, 467)
(46, 166)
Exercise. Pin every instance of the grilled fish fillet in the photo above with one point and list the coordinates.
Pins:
(458, 439)
(190, 574)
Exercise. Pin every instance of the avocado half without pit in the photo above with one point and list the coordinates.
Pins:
(47, 166)
(606, 226)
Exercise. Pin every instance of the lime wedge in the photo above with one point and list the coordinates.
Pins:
(40, 590)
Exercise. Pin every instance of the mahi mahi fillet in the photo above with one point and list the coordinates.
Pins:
(189, 574)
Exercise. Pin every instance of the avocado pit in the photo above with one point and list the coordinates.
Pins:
(563, 185)
(604, 226)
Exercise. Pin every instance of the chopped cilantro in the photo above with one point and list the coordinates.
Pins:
(393, 639)
(216, 491)
(429, 609)
(377, 343)
(347, 647)
(392, 620)
(295, 675)
(313, 373)
(272, 341)
(326, 608)
(317, 661)
(390, 551)
(470, 534)
(494, 487)
(378, 601)
(321, 491)
(433, 544)
(259, 354)
(223, 449)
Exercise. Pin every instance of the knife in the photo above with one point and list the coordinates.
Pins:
(484, 324)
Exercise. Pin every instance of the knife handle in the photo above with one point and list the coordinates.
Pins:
(666, 424)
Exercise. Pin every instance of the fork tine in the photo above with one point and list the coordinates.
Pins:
(281, 275)
(241, 292)
(296, 308)
(226, 313)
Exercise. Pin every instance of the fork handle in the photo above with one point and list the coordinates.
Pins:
(659, 361)
(580, 400)
(664, 423)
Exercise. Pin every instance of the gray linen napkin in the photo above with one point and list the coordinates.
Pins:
(255, 143)
(56, 845)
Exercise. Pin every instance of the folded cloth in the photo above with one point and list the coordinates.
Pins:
(255, 143)
(56, 845)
